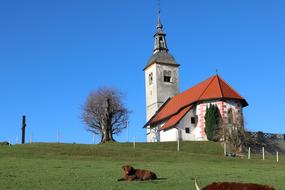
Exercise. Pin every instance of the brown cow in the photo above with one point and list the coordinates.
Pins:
(234, 186)
(131, 174)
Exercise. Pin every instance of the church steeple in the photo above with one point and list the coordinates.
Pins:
(159, 37)
(161, 76)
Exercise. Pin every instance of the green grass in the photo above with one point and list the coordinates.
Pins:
(74, 166)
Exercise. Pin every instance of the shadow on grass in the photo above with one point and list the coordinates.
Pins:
(137, 180)
(160, 178)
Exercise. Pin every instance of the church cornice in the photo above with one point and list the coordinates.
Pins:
(161, 63)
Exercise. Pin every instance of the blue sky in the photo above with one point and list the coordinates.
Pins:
(54, 53)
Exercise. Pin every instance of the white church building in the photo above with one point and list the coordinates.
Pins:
(171, 115)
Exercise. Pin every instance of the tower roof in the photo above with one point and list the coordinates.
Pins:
(161, 57)
(212, 88)
(160, 50)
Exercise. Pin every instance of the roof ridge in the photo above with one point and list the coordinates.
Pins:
(231, 88)
(206, 88)
(220, 85)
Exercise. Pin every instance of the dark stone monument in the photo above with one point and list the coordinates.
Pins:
(23, 128)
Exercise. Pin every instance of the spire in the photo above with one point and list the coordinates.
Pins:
(159, 25)
(159, 36)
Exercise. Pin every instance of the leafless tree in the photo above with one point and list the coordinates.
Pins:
(105, 114)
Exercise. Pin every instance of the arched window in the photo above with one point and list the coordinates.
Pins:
(150, 77)
(230, 116)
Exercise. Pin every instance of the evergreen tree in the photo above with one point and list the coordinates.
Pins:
(212, 122)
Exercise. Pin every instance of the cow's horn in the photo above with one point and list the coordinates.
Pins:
(196, 185)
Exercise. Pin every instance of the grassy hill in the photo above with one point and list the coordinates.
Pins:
(74, 166)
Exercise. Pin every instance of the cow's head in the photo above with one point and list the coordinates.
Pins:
(129, 170)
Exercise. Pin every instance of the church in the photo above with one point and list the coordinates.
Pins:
(172, 115)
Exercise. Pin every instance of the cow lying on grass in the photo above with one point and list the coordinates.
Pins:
(131, 174)
(234, 186)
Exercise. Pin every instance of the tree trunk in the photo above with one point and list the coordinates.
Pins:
(107, 135)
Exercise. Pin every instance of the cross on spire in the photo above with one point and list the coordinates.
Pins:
(159, 25)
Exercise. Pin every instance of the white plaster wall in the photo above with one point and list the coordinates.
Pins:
(168, 135)
(166, 89)
(153, 134)
(223, 106)
(159, 91)
(151, 92)
(186, 122)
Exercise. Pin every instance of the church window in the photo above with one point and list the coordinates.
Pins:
(150, 77)
(187, 130)
(167, 76)
(230, 116)
(193, 120)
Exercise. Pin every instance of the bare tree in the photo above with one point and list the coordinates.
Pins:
(105, 114)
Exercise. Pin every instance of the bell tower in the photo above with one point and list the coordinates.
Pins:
(161, 74)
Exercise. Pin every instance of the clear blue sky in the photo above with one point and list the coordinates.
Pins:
(54, 53)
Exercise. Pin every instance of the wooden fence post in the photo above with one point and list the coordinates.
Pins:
(248, 157)
(277, 157)
(94, 138)
(225, 149)
(57, 135)
(263, 153)
(178, 145)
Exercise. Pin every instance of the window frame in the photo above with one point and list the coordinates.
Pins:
(187, 130)
(167, 76)
(150, 78)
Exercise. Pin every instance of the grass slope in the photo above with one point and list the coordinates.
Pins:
(74, 166)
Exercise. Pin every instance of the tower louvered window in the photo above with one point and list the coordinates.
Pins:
(167, 76)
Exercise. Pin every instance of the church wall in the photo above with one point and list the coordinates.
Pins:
(168, 135)
(153, 135)
(223, 106)
(186, 122)
(166, 89)
(148, 135)
(151, 92)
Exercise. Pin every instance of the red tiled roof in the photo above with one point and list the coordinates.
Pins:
(212, 88)
(176, 118)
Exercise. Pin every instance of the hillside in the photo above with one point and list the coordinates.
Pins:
(74, 166)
